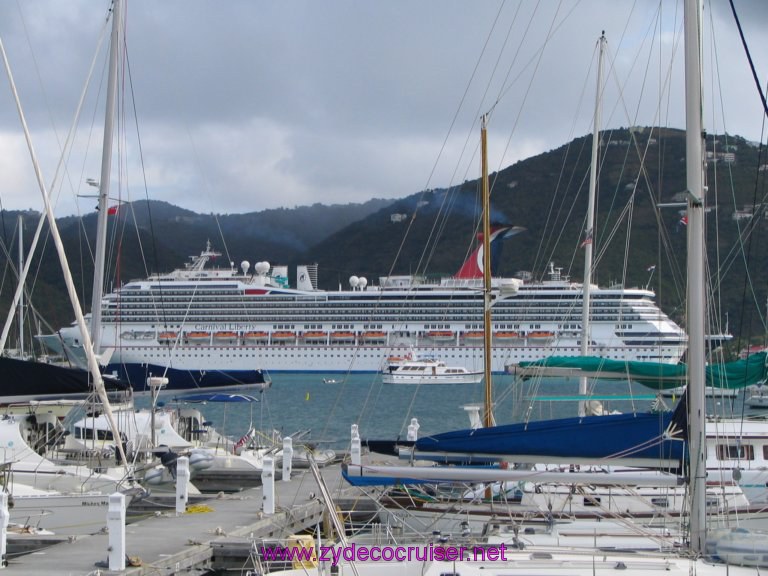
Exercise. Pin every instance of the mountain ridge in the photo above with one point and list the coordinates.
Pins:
(432, 231)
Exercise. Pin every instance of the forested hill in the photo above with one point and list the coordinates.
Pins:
(432, 231)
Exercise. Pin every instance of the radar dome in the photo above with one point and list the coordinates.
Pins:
(245, 266)
(262, 267)
(363, 282)
(354, 281)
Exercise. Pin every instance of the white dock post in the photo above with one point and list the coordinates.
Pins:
(182, 484)
(413, 430)
(287, 458)
(5, 517)
(116, 527)
(268, 486)
(355, 450)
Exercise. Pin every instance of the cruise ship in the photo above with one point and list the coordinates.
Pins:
(221, 321)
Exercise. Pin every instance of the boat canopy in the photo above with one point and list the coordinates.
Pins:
(659, 376)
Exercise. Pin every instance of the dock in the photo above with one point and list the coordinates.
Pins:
(214, 534)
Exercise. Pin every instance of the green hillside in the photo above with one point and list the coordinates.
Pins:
(432, 232)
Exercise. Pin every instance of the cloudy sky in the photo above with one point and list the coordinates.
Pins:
(238, 106)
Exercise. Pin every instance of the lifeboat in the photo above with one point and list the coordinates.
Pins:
(167, 337)
(473, 335)
(253, 337)
(441, 335)
(315, 336)
(540, 336)
(198, 337)
(342, 336)
(374, 336)
(507, 335)
(283, 336)
(225, 336)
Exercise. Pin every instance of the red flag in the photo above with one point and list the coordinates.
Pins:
(587, 238)
(112, 210)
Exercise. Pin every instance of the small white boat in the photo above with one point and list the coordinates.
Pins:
(710, 391)
(429, 371)
(330, 381)
(739, 546)
(757, 396)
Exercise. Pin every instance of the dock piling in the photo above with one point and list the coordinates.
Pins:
(355, 450)
(116, 527)
(268, 486)
(5, 518)
(287, 458)
(182, 484)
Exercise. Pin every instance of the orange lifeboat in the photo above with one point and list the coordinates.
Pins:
(342, 336)
(441, 335)
(281, 336)
(507, 335)
(198, 337)
(167, 337)
(255, 336)
(225, 335)
(540, 335)
(374, 336)
(315, 336)
(473, 335)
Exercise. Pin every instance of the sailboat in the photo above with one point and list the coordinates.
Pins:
(672, 440)
(23, 461)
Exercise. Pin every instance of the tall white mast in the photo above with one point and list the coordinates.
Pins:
(93, 366)
(21, 299)
(694, 165)
(589, 234)
(106, 170)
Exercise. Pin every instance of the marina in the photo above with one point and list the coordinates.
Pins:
(215, 533)
(262, 416)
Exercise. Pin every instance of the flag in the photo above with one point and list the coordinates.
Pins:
(587, 238)
(684, 220)
(112, 210)
(244, 440)
(651, 268)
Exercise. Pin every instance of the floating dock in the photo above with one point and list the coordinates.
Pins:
(215, 534)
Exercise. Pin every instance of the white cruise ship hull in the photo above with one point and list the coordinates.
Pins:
(209, 327)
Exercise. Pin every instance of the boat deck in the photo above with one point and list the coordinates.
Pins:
(169, 544)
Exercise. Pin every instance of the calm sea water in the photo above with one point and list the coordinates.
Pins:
(298, 402)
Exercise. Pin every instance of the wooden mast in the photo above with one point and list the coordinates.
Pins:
(487, 350)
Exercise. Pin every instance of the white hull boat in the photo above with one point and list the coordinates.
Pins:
(429, 371)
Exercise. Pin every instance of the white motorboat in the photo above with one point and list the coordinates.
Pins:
(429, 371)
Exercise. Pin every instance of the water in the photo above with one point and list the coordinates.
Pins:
(297, 402)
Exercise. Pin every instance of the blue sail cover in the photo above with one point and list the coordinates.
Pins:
(642, 439)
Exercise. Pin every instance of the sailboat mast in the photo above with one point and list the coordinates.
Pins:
(586, 332)
(487, 350)
(21, 299)
(106, 170)
(694, 164)
(93, 366)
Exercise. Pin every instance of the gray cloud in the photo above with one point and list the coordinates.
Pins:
(244, 105)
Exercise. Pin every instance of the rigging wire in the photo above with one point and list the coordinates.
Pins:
(749, 58)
